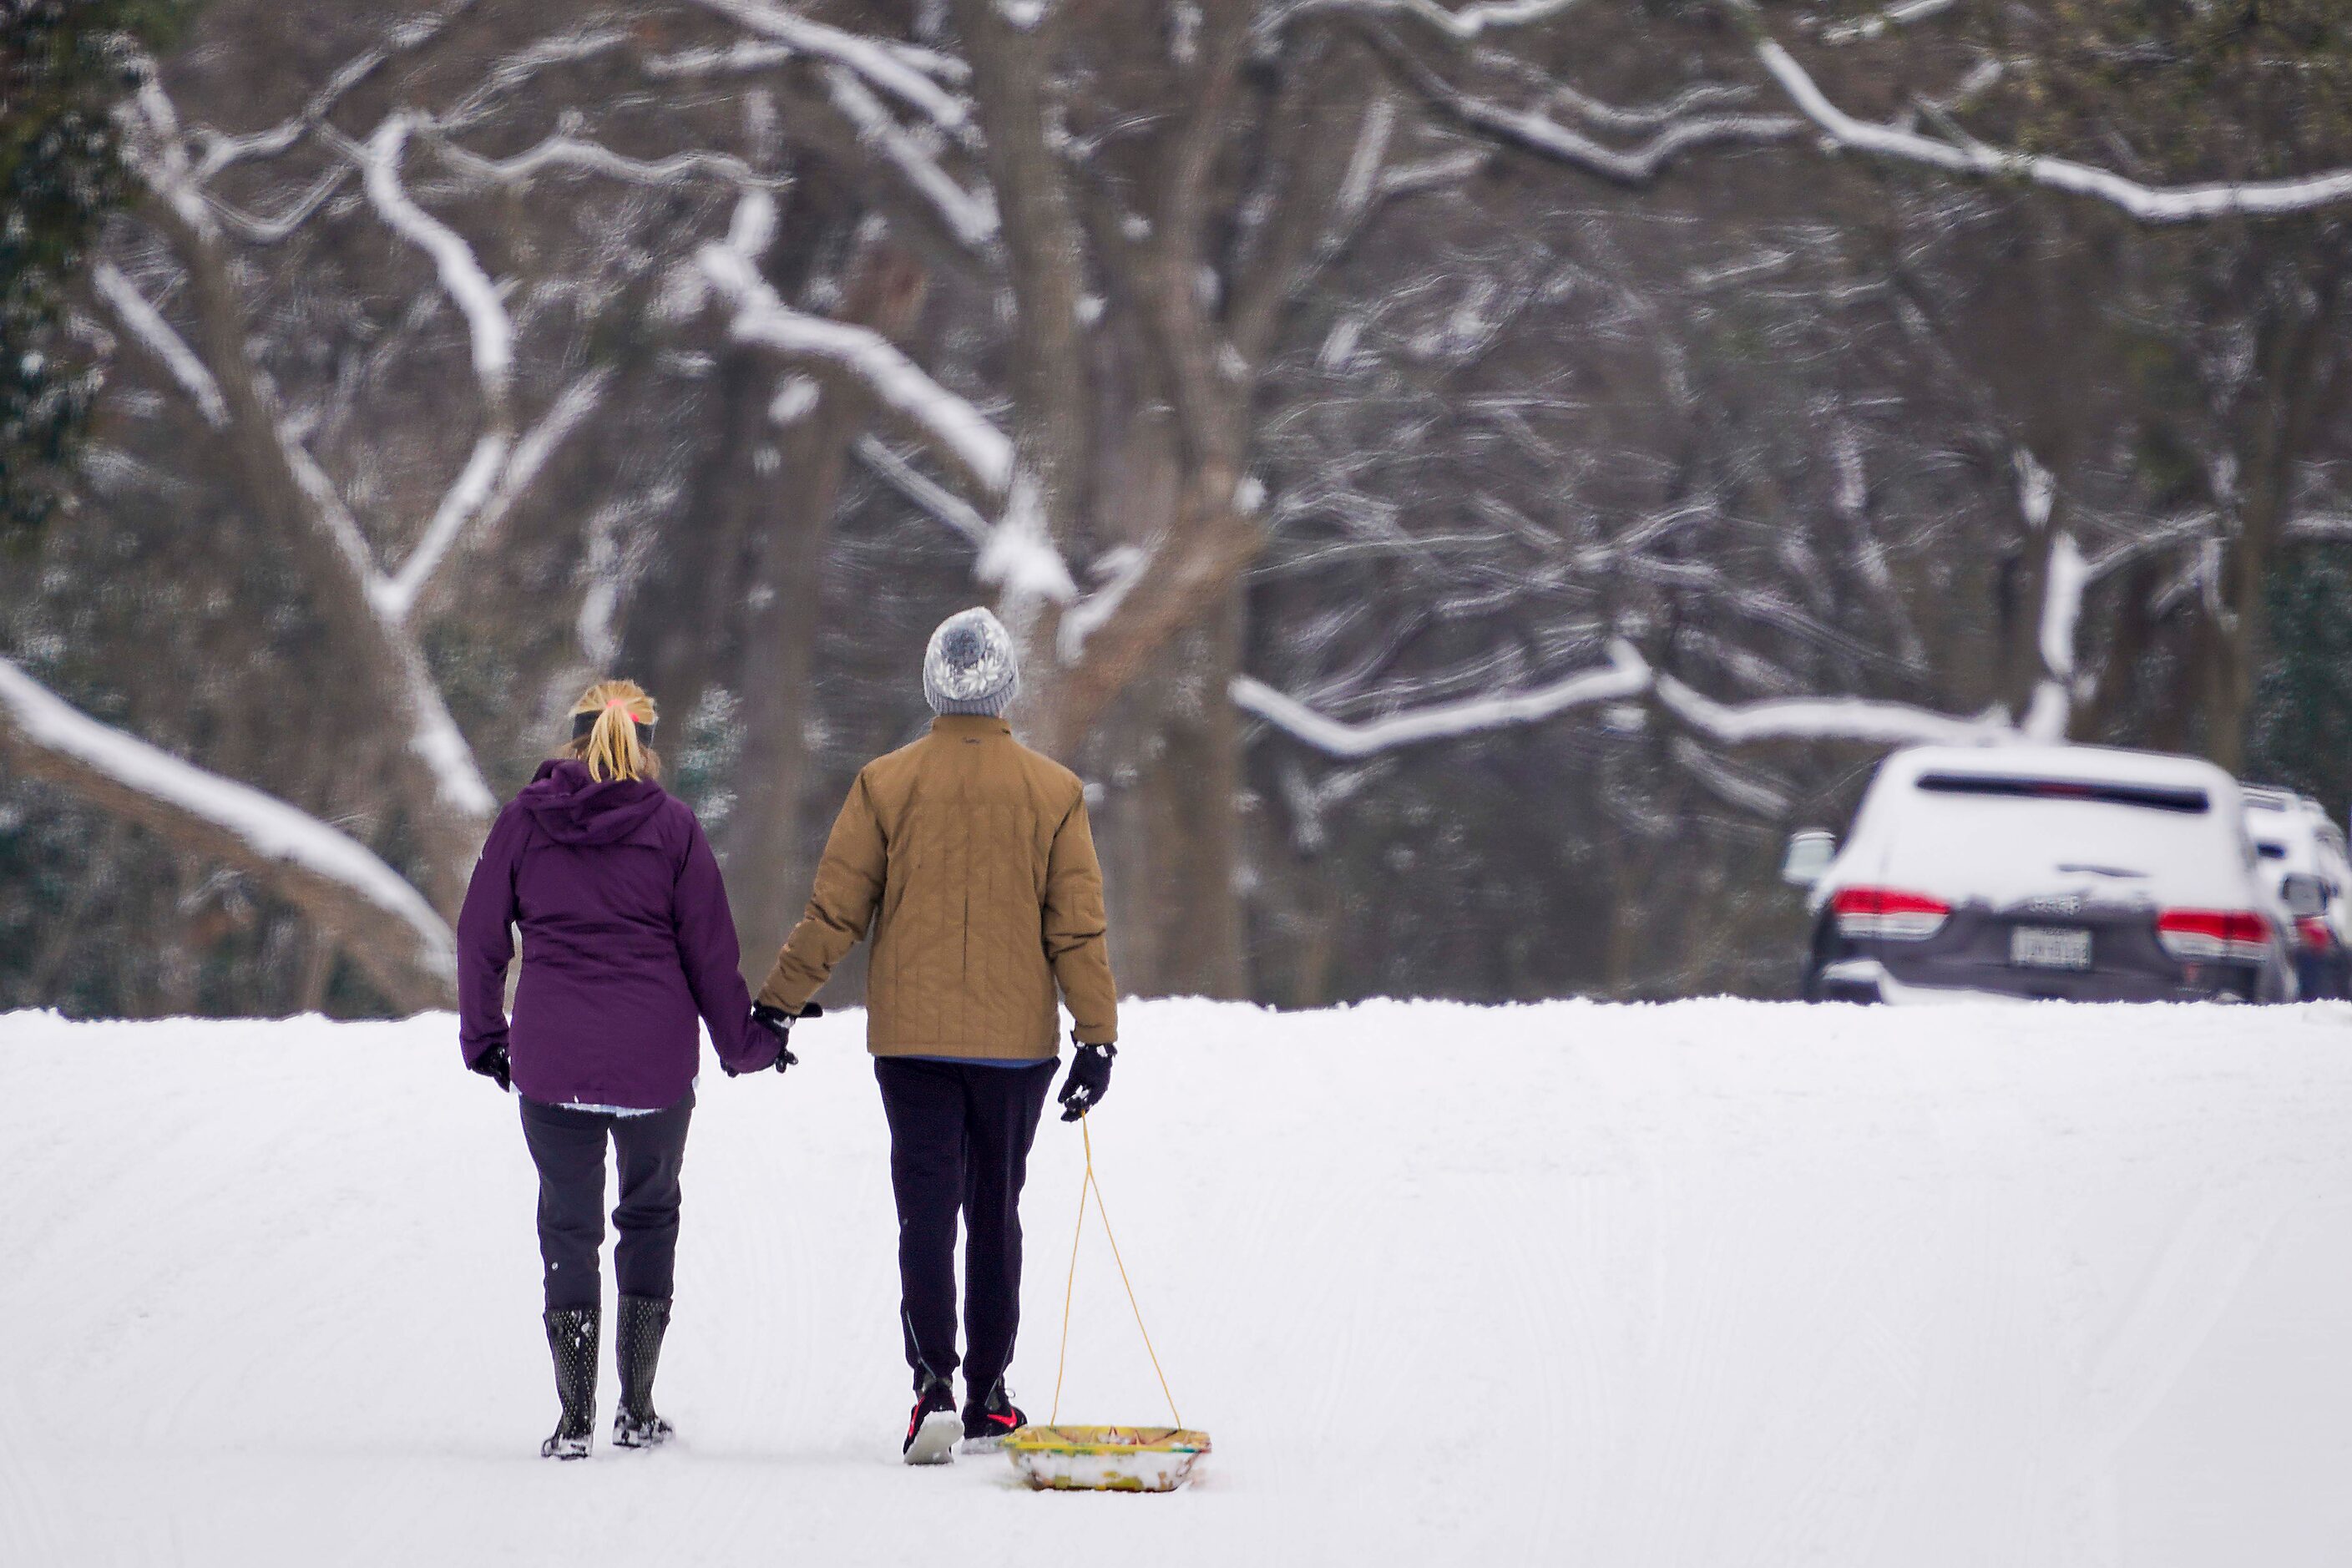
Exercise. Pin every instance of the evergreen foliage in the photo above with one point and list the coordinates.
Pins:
(64, 64)
(2302, 724)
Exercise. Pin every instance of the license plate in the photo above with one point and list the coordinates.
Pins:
(2049, 947)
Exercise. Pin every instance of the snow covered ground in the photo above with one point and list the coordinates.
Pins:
(1711, 1283)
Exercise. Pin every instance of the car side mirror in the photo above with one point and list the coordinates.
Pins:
(2305, 895)
(1809, 854)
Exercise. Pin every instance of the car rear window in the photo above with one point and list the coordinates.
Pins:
(2187, 800)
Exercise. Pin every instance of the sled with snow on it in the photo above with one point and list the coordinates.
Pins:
(1058, 1458)
(1106, 1458)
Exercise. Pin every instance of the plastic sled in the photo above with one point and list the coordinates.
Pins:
(1106, 1458)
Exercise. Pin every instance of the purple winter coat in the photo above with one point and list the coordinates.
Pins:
(626, 937)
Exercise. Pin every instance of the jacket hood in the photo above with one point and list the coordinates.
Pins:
(574, 808)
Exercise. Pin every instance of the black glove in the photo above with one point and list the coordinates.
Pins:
(492, 1064)
(778, 1023)
(1088, 1080)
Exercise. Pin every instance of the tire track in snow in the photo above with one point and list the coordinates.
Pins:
(1327, 1199)
(28, 1520)
(2211, 1252)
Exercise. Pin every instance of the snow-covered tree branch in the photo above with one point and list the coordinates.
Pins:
(2149, 204)
(377, 918)
(959, 433)
(1625, 678)
(1669, 141)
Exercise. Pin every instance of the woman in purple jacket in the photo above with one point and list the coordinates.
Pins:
(626, 938)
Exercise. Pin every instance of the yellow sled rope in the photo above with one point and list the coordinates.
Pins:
(1104, 1458)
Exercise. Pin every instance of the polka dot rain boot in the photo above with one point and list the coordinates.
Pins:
(572, 1336)
(636, 1352)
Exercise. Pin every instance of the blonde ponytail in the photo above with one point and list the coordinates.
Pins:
(615, 746)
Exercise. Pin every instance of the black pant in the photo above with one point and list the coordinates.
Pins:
(568, 1147)
(960, 1137)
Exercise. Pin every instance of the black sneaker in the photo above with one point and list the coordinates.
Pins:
(988, 1422)
(932, 1429)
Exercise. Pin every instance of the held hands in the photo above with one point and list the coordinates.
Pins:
(778, 1023)
(492, 1064)
(1088, 1080)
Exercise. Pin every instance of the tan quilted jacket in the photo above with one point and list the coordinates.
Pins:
(970, 857)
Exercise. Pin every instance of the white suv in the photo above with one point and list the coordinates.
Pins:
(2062, 873)
(2296, 842)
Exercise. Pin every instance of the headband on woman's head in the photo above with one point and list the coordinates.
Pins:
(583, 723)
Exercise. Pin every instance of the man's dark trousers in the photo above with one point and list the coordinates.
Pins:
(960, 1137)
(568, 1147)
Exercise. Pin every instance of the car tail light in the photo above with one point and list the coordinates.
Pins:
(2238, 936)
(2312, 935)
(1887, 913)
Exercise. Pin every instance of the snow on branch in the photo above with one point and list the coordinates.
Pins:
(146, 323)
(396, 594)
(744, 56)
(269, 229)
(2064, 580)
(511, 72)
(939, 502)
(2061, 604)
(461, 273)
(1015, 555)
(2320, 525)
(1116, 571)
(384, 924)
(1547, 138)
(2149, 204)
(221, 149)
(566, 414)
(157, 152)
(1461, 26)
(1020, 559)
(494, 478)
(966, 435)
(1627, 675)
(435, 739)
(575, 154)
(970, 215)
(1878, 22)
(1827, 719)
(903, 72)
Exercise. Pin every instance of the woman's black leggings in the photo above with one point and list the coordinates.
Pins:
(568, 1147)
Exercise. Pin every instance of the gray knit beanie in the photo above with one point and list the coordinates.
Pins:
(970, 667)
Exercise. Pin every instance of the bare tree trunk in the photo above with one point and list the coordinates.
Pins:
(2022, 580)
(1165, 747)
(318, 969)
(683, 616)
(2227, 647)
(767, 876)
(1043, 255)
(2289, 408)
(1170, 824)
(2130, 640)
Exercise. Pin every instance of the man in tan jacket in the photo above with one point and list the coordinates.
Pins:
(967, 856)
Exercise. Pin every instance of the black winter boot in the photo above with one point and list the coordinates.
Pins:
(572, 1334)
(987, 1422)
(636, 1351)
(932, 1429)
